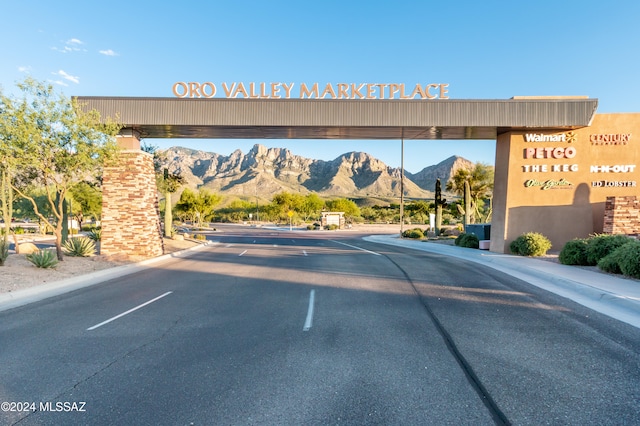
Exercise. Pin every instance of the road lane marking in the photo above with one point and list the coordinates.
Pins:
(128, 312)
(242, 253)
(356, 247)
(228, 245)
(309, 320)
(304, 252)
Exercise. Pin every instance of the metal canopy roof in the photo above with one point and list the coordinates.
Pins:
(340, 118)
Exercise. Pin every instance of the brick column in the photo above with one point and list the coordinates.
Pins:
(130, 214)
(621, 215)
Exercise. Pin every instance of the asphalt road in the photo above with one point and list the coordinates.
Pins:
(313, 328)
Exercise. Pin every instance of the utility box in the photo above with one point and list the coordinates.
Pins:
(480, 230)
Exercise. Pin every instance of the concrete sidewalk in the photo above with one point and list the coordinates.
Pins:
(611, 295)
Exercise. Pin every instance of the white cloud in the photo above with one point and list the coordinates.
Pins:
(24, 68)
(59, 82)
(67, 76)
(71, 45)
(108, 52)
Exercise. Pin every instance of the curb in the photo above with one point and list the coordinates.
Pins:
(19, 298)
(606, 294)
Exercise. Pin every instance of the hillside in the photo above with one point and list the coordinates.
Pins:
(264, 172)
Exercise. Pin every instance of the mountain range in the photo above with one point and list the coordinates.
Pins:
(263, 172)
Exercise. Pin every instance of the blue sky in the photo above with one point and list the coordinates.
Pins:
(483, 50)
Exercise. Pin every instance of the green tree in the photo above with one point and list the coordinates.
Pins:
(311, 206)
(480, 181)
(55, 143)
(197, 207)
(284, 202)
(350, 209)
(8, 169)
(419, 210)
(87, 201)
(236, 211)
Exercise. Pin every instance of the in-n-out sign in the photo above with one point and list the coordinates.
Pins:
(313, 91)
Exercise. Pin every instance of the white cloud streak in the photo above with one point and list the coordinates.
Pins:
(108, 52)
(66, 76)
(71, 45)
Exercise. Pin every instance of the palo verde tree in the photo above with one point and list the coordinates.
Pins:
(87, 201)
(55, 144)
(350, 209)
(197, 207)
(479, 182)
(8, 168)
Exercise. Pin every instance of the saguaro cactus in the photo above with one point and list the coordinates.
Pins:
(467, 204)
(440, 203)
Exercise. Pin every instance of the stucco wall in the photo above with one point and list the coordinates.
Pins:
(545, 180)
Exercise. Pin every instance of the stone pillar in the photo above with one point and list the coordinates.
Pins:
(622, 215)
(130, 214)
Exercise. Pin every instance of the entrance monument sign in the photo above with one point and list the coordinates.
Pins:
(557, 162)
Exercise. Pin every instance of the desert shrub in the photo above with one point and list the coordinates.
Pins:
(94, 234)
(200, 236)
(574, 253)
(610, 264)
(413, 233)
(468, 240)
(599, 246)
(530, 244)
(450, 232)
(628, 257)
(18, 230)
(79, 247)
(43, 258)
(331, 227)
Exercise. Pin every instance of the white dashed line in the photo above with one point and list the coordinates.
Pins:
(356, 247)
(309, 320)
(128, 312)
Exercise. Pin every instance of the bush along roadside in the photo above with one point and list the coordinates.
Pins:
(468, 240)
(616, 254)
(530, 244)
(415, 233)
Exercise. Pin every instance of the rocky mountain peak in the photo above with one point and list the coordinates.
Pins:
(272, 170)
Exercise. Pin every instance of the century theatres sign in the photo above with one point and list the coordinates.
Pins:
(263, 90)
